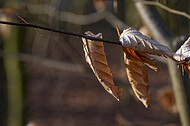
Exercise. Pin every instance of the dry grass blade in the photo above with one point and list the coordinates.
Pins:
(96, 58)
(133, 39)
(137, 75)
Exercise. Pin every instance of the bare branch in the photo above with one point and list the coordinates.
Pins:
(165, 8)
(60, 31)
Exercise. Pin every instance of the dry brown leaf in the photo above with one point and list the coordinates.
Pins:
(137, 48)
(183, 52)
(137, 75)
(182, 55)
(96, 58)
(133, 39)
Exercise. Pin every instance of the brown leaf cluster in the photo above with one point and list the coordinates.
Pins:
(135, 61)
(137, 49)
(96, 58)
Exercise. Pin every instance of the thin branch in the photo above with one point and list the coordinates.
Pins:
(44, 61)
(76, 18)
(60, 31)
(165, 8)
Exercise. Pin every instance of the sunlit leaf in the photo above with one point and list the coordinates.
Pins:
(133, 39)
(96, 58)
(137, 75)
(183, 56)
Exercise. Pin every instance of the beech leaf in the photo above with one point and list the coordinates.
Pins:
(133, 39)
(137, 75)
(183, 55)
(96, 58)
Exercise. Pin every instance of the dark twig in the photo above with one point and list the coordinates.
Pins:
(60, 31)
(27, 23)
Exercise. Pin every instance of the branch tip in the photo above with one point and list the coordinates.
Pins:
(118, 31)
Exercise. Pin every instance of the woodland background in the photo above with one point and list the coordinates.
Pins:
(45, 81)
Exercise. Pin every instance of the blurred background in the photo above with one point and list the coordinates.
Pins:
(45, 80)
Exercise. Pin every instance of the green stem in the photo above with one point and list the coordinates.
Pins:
(14, 80)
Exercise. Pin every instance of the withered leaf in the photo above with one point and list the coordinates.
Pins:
(183, 52)
(96, 58)
(137, 75)
(182, 55)
(133, 39)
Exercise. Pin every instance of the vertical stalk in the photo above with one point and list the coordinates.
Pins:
(3, 95)
(14, 80)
